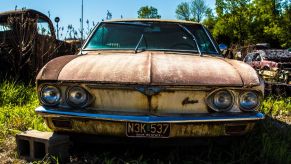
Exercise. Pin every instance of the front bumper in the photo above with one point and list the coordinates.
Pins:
(215, 124)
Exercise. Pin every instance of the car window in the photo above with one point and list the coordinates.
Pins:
(4, 27)
(203, 39)
(43, 27)
(151, 35)
(249, 58)
(257, 57)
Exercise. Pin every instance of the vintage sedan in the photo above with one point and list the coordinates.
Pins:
(149, 78)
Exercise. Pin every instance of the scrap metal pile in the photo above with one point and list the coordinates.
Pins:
(274, 66)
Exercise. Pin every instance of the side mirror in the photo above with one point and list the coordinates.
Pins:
(222, 47)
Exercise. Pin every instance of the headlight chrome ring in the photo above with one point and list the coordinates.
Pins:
(249, 101)
(222, 100)
(77, 96)
(50, 95)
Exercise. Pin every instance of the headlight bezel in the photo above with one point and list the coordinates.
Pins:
(236, 93)
(249, 109)
(45, 102)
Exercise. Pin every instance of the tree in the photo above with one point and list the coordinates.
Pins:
(198, 9)
(249, 22)
(148, 12)
(183, 11)
(234, 21)
(194, 10)
(210, 20)
(286, 25)
(271, 26)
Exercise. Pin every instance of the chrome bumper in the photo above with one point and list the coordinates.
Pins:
(214, 117)
(214, 124)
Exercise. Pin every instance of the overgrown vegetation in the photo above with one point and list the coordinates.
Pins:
(277, 106)
(268, 143)
(17, 106)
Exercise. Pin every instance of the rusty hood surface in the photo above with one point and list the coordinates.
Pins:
(150, 68)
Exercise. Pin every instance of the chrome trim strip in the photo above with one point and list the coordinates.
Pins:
(152, 119)
(207, 33)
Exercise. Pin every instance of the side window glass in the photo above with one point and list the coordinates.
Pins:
(4, 27)
(249, 58)
(43, 27)
(258, 57)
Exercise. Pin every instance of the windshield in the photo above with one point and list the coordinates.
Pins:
(151, 36)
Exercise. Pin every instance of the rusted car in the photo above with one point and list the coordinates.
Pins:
(274, 66)
(27, 43)
(259, 60)
(149, 78)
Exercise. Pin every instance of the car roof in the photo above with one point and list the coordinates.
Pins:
(22, 11)
(152, 20)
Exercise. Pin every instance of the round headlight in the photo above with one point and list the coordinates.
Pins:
(249, 101)
(223, 100)
(50, 95)
(77, 96)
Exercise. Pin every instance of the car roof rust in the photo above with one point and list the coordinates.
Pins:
(152, 20)
(23, 11)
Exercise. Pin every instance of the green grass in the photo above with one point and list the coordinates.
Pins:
(277, 106)
(17, 106)
(270, 142)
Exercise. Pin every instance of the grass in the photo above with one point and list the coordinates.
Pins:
(270, 142)
(17, 106)
(277, 106)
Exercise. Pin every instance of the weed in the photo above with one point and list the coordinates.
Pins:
(17, 106)
(277, 106)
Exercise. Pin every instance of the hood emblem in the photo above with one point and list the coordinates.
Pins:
(188, 101)
(149, 91)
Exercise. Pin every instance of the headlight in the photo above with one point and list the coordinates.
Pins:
(249, 101)
(50, 95)
(77, 96)
(222, 100)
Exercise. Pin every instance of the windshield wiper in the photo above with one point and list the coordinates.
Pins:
(138, 44)
(193, 37)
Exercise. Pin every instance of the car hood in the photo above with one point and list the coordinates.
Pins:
(150, 68)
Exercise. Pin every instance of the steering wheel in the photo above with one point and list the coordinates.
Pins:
(182, 46)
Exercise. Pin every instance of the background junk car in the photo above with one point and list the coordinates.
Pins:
(274, 67)
(28, 42)
(149, 78)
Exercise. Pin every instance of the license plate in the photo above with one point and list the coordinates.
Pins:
(151, 130)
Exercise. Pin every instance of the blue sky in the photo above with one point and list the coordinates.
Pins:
(95, 10)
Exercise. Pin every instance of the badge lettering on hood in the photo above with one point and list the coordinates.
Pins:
(149, 91)
(188, 101)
